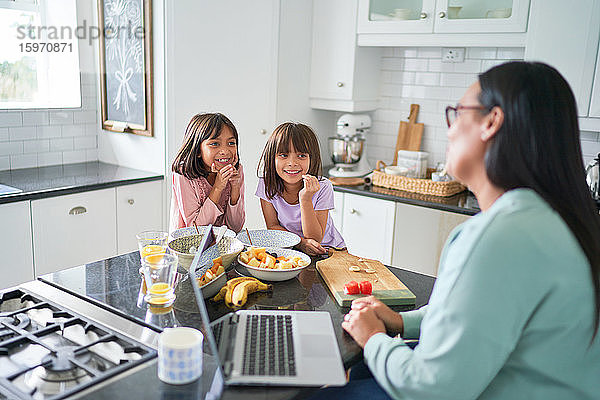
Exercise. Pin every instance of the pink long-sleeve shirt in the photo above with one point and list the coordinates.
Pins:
(190, 203)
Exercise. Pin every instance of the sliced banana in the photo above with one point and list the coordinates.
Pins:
(354, 268)
(370, 271)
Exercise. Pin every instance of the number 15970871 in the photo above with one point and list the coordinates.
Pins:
(48, 47)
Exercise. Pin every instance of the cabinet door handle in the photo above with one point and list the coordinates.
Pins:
(340, 84)
(442, 14)
(263, 131)
(423, 15)
(353, 211)
(77, 210)
(131, 201)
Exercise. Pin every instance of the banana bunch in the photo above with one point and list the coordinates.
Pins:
(235, 292)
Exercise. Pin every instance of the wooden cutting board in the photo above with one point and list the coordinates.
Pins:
(347, 181)
(386, 286)
(409, 133)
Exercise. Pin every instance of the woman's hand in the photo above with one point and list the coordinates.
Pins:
(362, 324)
(311, 186)
(311, 247)
(392, 320)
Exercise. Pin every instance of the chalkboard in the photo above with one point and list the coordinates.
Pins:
(126, 65)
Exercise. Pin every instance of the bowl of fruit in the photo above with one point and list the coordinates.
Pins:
(185, 249)
(212, 279)
(273, 263)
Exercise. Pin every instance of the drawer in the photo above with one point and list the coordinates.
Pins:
(73, 230)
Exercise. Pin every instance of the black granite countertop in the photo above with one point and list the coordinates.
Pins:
(41, 182)
(461, 203)
(115, 284)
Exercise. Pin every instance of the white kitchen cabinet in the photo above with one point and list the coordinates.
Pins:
(337, 214)
(565, 36)
(368, 227)
(16, 265)
(73, 229)
(139, 208)
(343, 76)
(419, 236)
(428, 22)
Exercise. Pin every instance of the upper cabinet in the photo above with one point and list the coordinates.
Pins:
(343, 76)
(442, 22)
(566, 37)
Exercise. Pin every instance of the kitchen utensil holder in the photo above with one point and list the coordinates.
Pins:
(415, 185)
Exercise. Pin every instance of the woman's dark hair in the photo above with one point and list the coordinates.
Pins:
(286, 135)
(188, 161)
(538, 147)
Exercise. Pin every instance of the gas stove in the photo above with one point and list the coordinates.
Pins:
(52, 349)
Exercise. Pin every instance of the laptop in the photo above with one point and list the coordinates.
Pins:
(265, 347)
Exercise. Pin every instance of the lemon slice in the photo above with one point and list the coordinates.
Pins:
(152, 249)
(158, 300)
(160, 288)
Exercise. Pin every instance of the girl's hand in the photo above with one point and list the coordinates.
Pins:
(235, 180)
(311, 186)
(362, 324)
(392, 320)
(311, 247)
(223, 175)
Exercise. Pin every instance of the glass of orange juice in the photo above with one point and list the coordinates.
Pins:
(159, 275)
(152, 242)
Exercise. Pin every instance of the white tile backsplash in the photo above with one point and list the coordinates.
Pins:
(418, 75)
(43, 137)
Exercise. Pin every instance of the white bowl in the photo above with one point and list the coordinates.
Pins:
(396, 170)
(277, 274)
(191, 230)
(212, 288)
(269, 238)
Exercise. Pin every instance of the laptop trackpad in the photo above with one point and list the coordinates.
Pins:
(316, 345)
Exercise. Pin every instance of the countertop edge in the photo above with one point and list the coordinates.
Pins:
(61, 191)
(382, 196)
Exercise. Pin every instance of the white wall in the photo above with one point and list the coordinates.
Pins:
(417, 75)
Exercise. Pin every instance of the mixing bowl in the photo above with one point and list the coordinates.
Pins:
(346, 150)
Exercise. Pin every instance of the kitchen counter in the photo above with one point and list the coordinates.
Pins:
(461, 203)
(115, 284)
(42, 182)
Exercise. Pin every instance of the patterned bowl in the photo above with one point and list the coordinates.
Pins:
(228, 248)
(269, 238)
(277, 274)
(191, 230)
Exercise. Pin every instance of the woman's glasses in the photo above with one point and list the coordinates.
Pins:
(452, 112)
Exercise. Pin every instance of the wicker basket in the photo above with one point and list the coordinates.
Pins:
(415, 185)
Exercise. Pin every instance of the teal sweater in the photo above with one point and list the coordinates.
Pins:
(510, 317)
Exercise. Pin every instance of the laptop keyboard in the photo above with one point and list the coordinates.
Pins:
(269, 346)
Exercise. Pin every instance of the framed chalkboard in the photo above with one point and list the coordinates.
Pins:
(126, 65)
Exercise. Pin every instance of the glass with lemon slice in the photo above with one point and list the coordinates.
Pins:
(159, 275)
(152, 242)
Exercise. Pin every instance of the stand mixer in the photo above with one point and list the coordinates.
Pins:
(347, 147)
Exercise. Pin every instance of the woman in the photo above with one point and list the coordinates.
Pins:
(514, 311)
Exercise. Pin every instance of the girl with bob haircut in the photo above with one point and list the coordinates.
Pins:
(515, 307)
(293, 194)
(208, 180)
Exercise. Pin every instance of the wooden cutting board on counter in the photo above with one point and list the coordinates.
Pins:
(409, 133)
(386, 286)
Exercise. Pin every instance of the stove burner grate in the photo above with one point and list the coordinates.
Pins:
(9, 326)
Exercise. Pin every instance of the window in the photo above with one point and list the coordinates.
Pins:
(39, 55)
